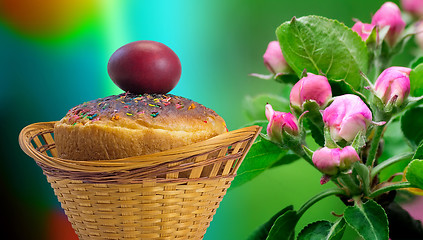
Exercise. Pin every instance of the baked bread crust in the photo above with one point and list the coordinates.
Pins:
(128, 125)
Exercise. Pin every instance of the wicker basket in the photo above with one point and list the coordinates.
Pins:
(168, 195)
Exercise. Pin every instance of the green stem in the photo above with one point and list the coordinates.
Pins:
(318, 197)
(380, 63)
(306, 157)
(374, 145)
(348, 181)
(390, 188)
(298, 149)
(378, 67)
(389, 162)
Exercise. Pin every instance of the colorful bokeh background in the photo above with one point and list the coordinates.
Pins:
(54, 54)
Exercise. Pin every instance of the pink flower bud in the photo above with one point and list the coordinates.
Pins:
(274, 60)
(348, 157)
(414, 7)
(393, 85)
(346, 117)
(313, 87)
(389, 14)
(278, 122)
(363, 29)
(331, 161)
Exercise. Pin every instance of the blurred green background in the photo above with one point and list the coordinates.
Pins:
(54, 56)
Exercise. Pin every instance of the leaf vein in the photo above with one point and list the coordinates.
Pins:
(305, 49)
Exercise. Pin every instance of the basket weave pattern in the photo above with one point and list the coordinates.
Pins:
(167, 195)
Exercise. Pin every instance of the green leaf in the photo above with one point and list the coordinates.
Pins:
(369, 220)
(359, 141)
(284, 226)
(329, 142)
(286, 159)
(419, 152)
(260, 157)
(287, 78)
(340, 87)
(313, 112)
(323, 230)
(314, 121)
(338, 229)
(316, 133)
(411, 125)
(416, 81)
(395, 144)
(308, 151)
(399, 46)
(326, 46)
(263, 231)
(362, 171)
(372, 40)
(254, 107)
(416, 62)
(415, 173)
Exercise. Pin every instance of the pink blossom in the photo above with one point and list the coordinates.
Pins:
(274, 60)
(393, 85)
(278, 122)
(389, 14)
(415, 7)
(313, 87)
(363, 29)
(331, 161)
(346, 117)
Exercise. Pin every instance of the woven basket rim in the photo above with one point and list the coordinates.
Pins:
(122, 164)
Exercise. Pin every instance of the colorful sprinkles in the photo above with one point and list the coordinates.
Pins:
(192, 106)
(130, 105)
(179, 106)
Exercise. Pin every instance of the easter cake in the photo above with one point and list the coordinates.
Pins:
(129, 124)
